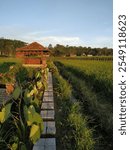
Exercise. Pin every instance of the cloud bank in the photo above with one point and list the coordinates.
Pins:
(49, 37)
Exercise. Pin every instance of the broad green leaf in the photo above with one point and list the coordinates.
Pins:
(28, 116)
(31, 116)
(25, 113)
(1, 117)
(38, 75)
(14, 146)
(5, 113)
(31, 93)
(7, 110)
(34, 133)
(38, 120)
(39, 85)
(35, 101)
(35, 90)
(23, 147)
(32, 109)
(27, 97)
(16, 93)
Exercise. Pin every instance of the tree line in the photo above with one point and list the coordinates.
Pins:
(61, 50)
(8, 48)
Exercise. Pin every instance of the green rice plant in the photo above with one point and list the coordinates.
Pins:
(81, 133)
(92, 104)
(73, 131)
(96, 74)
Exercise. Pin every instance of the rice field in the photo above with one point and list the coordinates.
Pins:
(92, 86)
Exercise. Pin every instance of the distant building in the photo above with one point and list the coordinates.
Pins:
(89, 55)
(83, 54)
(73, 55)
(33, 53)
(33, 49)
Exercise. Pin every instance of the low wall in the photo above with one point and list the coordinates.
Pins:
(32, 61)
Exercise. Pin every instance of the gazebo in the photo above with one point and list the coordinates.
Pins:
(33, 53)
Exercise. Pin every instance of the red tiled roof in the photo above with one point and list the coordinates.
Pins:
(33, 46)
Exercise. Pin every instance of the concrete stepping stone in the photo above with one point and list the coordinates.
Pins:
(45, 144)
(49, 128)
(44, 147)
(49, 88)
(48, 99)
(49, 80)
(38, 147)
(50, 141)
(47, 106)
(41, 141)
(48, 115)
(48, 94)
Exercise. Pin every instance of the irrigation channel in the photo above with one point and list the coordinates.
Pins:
(47, 140)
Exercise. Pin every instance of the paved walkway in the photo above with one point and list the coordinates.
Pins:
(47, 140)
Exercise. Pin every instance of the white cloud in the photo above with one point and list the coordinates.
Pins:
(46, 40)
(62, 40)
(100, 41)
(46, 37)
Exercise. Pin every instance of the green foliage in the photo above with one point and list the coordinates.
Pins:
(34, 133)
(35, 121)
(21, 113)
(81, 134)
(16, 93)
(5, 66)
(73, 132)
(92, 104)
(5, 113)
(32, 116)
(21, 75)
(8, 47)
(60, 50)
(96, 74)
(15, 73)
(14, 146)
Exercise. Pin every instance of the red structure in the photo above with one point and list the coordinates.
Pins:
(33, 53)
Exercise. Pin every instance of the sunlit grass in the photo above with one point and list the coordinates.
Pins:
(10, 59)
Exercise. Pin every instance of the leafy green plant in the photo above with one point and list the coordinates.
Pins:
(5, 113)
(23, 111)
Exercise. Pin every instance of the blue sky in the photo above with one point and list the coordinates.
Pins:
(72, 22)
